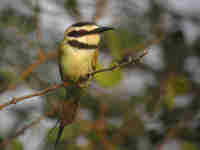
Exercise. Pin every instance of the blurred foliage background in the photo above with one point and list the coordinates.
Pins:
(154, 105)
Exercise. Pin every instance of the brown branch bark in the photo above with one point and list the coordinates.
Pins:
(6, 141)
(130, 60)
(100, 9)
(122, 64)
(33, 66)
(15, 100)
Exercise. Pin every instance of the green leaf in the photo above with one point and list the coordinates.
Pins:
(7, 78)
(181, 85)
(72, 8)
(108, 78)
(174, 86)
(189, 146)
(169, 97)
(123, 42)
(10, 17)
(114, 44)
(92, 136)
(16, 145)
(67, 134)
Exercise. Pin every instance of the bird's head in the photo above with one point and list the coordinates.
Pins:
(84, 33)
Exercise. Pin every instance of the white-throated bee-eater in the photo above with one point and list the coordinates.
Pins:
(78, 56)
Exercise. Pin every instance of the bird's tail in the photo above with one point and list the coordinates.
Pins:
(69, 109)
(60, 131)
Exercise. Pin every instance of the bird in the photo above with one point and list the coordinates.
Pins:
(77, 57)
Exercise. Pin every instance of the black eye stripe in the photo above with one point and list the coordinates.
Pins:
(77, 33)
(80, 24)
(81, 45)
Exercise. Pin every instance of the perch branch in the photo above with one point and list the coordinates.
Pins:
(15, 100)
(130, 60)
(122, 64)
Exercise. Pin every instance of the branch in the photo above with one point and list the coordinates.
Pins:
(130, 60)
(42, 58)
(15, 100)
(100, 9)
(5, 142)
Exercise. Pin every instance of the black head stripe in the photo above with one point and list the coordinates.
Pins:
(83, 32)
(80, 24)
(80, 45)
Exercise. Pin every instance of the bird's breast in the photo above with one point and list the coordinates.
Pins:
(77, 63)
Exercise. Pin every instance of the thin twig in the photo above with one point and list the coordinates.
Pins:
(15, 100)
(38, 62)
(100, 9)
(130, 60)
(5, 142)
(120, 65)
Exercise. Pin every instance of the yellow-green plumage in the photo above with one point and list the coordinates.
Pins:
(78, 54)
(75, 63)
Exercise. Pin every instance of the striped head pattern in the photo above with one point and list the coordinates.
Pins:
(84, 35)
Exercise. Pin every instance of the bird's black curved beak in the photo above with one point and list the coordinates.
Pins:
(100, 30)
(103, 29)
